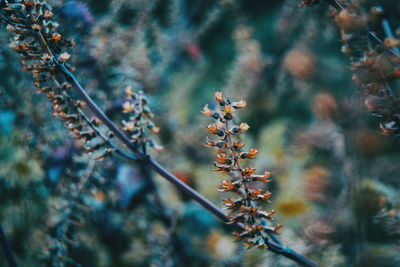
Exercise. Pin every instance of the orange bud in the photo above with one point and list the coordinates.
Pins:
(56, 37)
(248, 171)
(207, 111)
(221, 157)
(238, 145)
(64, 57)
(227, 186)
(48, 14)
(229, 110)
(243, 127)
(127, 107)
(212, 129)
(218, 96)
(253, 152)
(240, 104)
(262, 178)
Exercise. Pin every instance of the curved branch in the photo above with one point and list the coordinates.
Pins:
(272, 245)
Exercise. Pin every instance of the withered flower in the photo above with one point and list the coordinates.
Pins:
(48, 14)
(212, 129)
(252, 153)
(237, 145)
(248, 171)
(229, 110)
(155, 129)
(243, 127)
(227, 186)
(240, 104)
(222, 168)
(64, 57)
(221, 157)
(229, 204)
(56, 36)
(217, 143)
(207, 111)
(262, 178)
(127, 107)
(218, 96)
(373, 66)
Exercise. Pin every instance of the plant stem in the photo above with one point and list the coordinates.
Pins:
(236, 162)
(273, 246)
(6, 249)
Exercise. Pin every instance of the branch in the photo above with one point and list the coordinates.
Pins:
(275, 247)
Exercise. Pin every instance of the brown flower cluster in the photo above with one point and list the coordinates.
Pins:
(137, 107)
(43, 52)
(374, 65)
(242, 179)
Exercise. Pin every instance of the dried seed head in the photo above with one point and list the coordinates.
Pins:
(56, 36)
(242, 210)
(140, 121)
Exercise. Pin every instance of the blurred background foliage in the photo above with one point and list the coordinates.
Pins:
(334, 177)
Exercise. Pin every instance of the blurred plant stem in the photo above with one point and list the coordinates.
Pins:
(6, 249)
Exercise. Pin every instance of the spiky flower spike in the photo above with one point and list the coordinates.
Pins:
(136, 106)
(230, 155)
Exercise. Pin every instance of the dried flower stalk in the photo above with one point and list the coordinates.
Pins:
(243, 209)
(140, 120)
